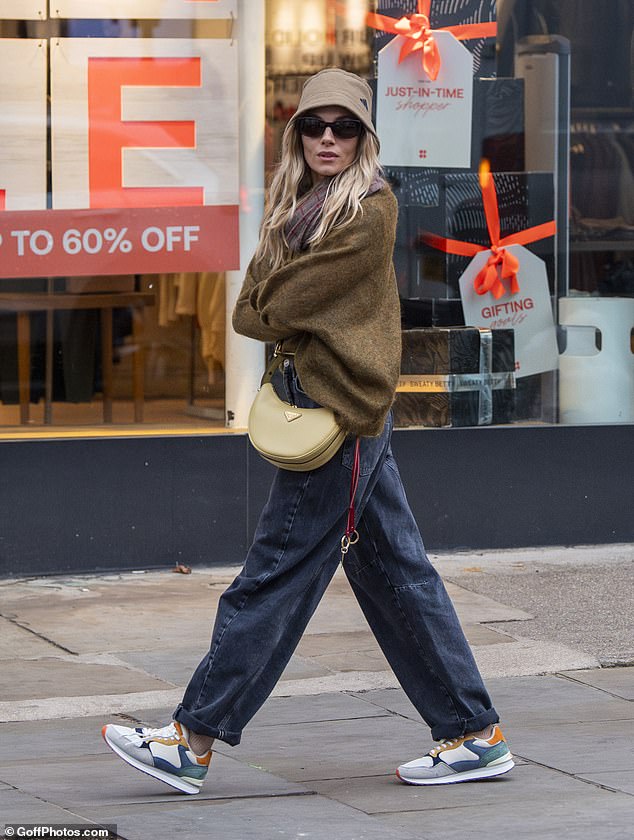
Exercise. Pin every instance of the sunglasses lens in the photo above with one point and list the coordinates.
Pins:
(343, 129)
(346, 129)
(311, 126)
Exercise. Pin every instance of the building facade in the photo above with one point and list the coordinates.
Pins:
(139, 136)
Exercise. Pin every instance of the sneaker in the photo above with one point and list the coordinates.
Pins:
(460, 760)
(162, 753)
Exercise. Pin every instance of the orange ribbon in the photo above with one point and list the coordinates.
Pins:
(419, 36)
(501, 265)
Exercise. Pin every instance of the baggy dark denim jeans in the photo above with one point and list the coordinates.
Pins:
(295, 553)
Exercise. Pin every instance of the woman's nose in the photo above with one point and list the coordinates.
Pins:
(328, 136)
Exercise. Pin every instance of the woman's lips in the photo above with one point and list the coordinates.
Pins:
(327, 155)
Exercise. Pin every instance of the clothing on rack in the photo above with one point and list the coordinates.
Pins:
(201, 296)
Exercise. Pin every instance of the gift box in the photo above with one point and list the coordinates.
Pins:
(452, 204)
(457, 376)
(455, 13)
(431, 312)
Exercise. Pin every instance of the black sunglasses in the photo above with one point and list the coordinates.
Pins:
(344, 129)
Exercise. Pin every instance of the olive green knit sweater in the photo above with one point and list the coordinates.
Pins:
(338, 305)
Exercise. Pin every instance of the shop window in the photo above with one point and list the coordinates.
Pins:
(119, 162)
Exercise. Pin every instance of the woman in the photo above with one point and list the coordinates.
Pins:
(322, 282)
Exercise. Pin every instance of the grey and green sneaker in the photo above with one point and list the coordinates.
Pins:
(163, 753)
(460, 760)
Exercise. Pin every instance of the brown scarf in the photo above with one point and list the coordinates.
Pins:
(305, 220)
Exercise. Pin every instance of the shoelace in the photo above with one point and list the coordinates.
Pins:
(444, 746)
(166, 732)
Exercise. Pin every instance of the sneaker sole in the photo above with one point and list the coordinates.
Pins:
(161, 775)
(467, 776)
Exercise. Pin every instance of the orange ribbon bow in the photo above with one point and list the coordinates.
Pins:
(418, 34)
(501, 265)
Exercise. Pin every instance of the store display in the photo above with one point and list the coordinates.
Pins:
(596, 370)
(490, 286)
(425, 90)
(444, 13)
(458, 376)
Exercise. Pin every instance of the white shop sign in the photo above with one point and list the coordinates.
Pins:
(529, 312)
(22, 9)
(145, 9)
(23, 124)
(421, 122)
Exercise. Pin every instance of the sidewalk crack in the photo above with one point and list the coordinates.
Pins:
(574, 776)
(17, 623)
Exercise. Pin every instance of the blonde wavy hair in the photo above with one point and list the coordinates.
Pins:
(292, 180)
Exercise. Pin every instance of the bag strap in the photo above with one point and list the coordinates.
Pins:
(351, 535)
(276, 362)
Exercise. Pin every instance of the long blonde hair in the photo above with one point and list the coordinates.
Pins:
(292, 180)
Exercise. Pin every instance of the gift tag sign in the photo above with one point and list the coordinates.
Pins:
(528, 312)
(421, 122)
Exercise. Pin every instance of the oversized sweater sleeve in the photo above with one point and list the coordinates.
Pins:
(330, 284)
(246, 319)
(340, 302)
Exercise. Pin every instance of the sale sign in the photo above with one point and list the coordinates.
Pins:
(144, 122)
(22, 9)
(423, 121)
(23, 124)
(150, 240)
(145, 9)
(144, 157)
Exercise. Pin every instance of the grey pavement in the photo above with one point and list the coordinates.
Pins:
(551, 630)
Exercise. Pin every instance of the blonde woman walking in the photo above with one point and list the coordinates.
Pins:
(322, 283)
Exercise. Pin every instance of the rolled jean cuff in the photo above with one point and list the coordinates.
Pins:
(191, 722)
(445, 731)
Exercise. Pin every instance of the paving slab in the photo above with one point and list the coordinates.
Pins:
(353, 660)
(622, 780)
(532, 803)
(385, 794)
(619, 681)
(46, 739)
(16, 641)
(552, 700)
(585, 607)
(478, 635)
(339, 612)
(473, 607)
(577, 748)
(99, 780)
(528, 701)
(53, 708)
(286, 711)
(529, 656)
(129, 621)
(174, 665)
(19, 807)
(60, 677)
(331, 750)
(287, 818)
(321, 644)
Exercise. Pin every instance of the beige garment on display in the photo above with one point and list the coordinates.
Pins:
(203, 296)
(212, 321)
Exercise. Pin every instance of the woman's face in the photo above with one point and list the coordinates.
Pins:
(328, 155)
